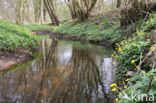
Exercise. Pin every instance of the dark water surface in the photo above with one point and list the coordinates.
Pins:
(64, 72)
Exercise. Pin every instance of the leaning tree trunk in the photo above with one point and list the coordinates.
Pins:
(52, 15)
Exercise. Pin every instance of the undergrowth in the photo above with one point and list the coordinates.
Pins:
(13, 36)
(136, 69)
(102, 31)
(134, 48)
(38, 27)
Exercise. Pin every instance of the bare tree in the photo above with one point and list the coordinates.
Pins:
(80, 9)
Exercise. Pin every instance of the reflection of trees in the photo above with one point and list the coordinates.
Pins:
(84, 82)
(49, 58)
(79, 80)
(23, 80)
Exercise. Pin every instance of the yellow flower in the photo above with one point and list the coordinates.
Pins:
(127, 79)
(132, 61)
(122, 42)
(116, 99)
(120, 49)
(113, 85)
(116, 56)
(114, 89)
(152, 47)
(113, 63)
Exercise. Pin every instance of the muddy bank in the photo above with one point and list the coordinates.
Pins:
(10, 59)
(68, 37)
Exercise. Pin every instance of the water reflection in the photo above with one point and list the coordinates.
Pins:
(63, 73)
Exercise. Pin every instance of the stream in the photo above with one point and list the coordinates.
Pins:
(63, 72)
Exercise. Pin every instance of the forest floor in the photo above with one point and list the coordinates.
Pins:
(10, 59)
(68, 37)
(98, 29)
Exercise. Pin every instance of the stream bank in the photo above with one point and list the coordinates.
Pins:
(9, 59)
(69, 37)
(16, 44)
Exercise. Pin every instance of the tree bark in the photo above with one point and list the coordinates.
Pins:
(80, 9)
(118, 3)
(52, 15)
(18, 11)
(41, 11)
(45, 13)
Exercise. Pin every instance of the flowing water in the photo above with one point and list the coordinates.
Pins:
(63, 72)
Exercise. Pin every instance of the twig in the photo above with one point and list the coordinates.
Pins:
(149, 53)
(149, 85)
(149, 13)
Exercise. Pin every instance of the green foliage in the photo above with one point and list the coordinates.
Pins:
(147, 26)
(133, 49)
(13, 36)
(37, 27)
(95, 31)
(130, 52)
(105, 19)
(104, 31)
(137, 86)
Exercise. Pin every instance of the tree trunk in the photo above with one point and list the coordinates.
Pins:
(52, 15)
(41, 11)
(80, 9)
(18, 12)
(118, 3)
(36, 10)
(45, 13)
